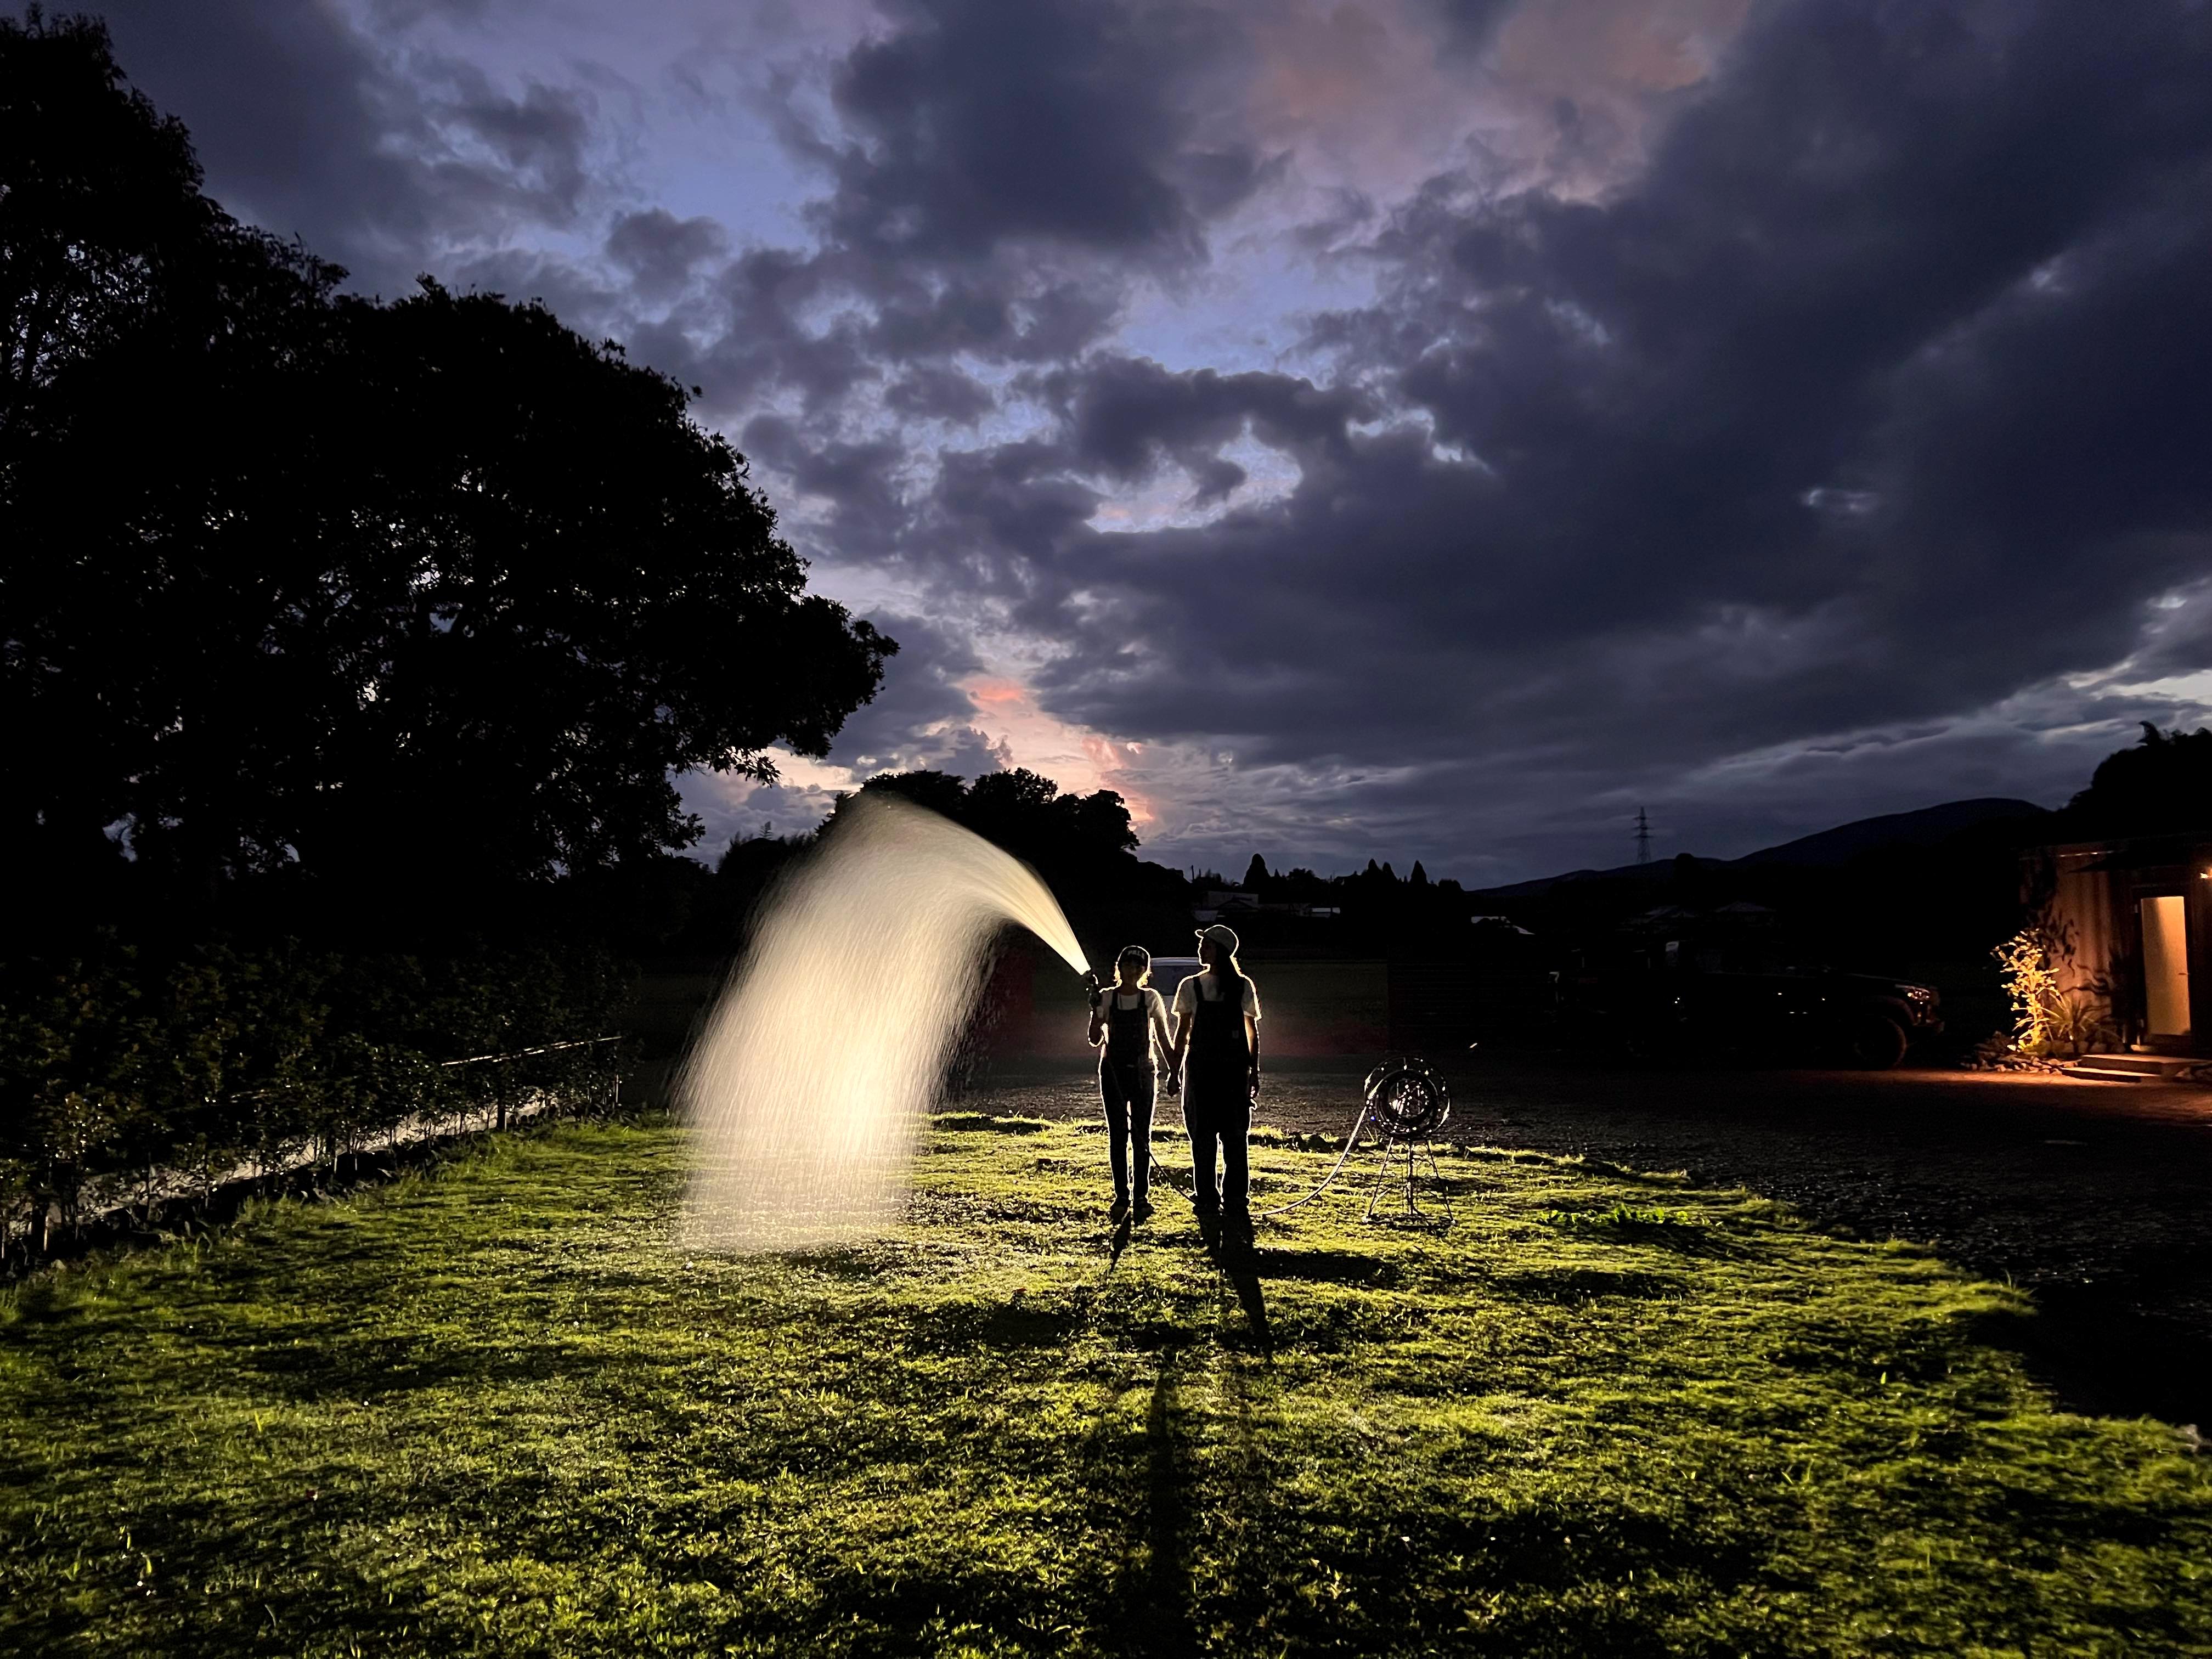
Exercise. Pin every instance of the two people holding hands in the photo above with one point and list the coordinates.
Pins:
(1213, 1046)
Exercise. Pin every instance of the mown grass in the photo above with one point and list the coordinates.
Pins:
(493, 1412)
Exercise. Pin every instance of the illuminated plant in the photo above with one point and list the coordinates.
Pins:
(2048, 1016)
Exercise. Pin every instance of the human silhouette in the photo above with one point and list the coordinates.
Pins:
(1217, 1047)
(1126, 1021)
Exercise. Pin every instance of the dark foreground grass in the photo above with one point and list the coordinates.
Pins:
(493, 1412)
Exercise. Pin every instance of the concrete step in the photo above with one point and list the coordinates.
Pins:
(2132, 1068)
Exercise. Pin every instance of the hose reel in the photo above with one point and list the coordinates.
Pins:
(1406, 1102)
(1407, 1099)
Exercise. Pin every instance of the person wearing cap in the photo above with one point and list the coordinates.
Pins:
(1125, 1022)
(1217, 1046)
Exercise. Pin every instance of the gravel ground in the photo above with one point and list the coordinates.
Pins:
(2092, 1196)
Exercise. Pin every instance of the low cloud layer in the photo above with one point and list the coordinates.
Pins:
(1767, 416)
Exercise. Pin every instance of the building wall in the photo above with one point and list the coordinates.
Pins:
(2092, 958)
(2093, 893)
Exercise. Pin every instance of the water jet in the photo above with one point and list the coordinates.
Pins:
(806, 1090)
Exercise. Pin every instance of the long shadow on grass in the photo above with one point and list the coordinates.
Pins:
(1323, 1266)
(2104, 1351)
(1154, 1615)
(1238, 1263)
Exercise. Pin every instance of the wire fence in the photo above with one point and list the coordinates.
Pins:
(56, 1217)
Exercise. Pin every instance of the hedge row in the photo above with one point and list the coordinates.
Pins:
(116, 1065)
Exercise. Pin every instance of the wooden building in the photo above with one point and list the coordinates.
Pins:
(2130, 928)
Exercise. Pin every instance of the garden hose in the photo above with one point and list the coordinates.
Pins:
(1350, 1141)
(1405, 1096)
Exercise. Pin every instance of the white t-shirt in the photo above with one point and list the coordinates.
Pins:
(1185, 1002)
(1153, 1006)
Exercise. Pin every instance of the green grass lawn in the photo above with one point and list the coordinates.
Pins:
(493, 1411)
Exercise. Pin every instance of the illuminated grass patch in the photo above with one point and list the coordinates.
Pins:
(493, 1412)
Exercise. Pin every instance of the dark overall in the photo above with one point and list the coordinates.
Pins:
(1126, 1083)
(1217, 1099)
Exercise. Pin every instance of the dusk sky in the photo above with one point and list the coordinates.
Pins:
(1414, 429)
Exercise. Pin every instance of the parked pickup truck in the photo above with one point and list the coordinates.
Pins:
(1649, 1009)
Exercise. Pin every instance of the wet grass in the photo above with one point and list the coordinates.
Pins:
(490, 1410)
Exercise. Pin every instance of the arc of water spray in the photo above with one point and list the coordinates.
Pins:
(806, 1090)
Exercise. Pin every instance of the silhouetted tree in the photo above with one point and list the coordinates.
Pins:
(748, 869)
(434, 594)
(1256, 872)
(1099, 819)
(941, 792)
(2163, 784)
(1013, 808)
(1023, 813)
(105, 238)
(1420, 877)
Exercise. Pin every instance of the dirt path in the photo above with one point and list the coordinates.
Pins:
(2092, 1196)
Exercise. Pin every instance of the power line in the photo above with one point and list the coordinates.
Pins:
(1643, 837)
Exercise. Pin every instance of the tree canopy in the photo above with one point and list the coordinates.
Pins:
(431, 592)
(2164, 783)
(1023, 813)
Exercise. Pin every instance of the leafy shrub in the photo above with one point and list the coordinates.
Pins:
(2049, 1017)
(115, 1062)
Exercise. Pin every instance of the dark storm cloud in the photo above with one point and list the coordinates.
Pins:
(1124, 417)
(539, 141)
(1880, 397)
(1469, 24)
(662, 252)
(858, 480)
(983, 123)
(999, 174)
(921, 716)
(307, 128)
(1006, 517)
(1875, 401)
(932, 392)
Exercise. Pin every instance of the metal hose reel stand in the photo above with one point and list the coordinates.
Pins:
(1407, 1103)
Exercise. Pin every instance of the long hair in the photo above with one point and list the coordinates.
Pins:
(1232, 975)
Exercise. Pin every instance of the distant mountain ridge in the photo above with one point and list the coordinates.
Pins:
(1929, 826)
